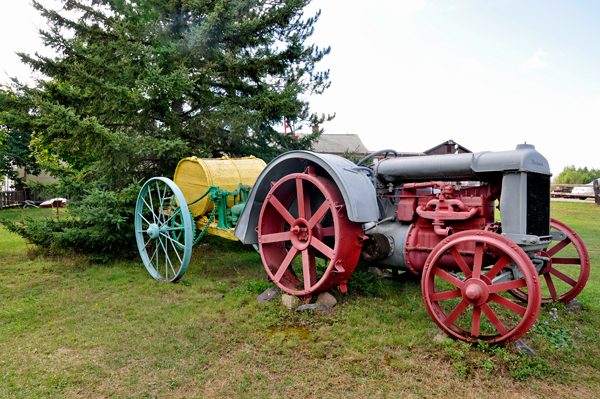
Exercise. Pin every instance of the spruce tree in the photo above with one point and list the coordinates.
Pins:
(139, 84)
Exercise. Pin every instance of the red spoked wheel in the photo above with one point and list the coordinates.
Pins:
(304, 216)
(465, 302)
(568, 270)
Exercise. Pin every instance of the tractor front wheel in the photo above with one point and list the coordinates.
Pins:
(474, 304)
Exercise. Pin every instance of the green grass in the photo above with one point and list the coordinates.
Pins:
(69, 328)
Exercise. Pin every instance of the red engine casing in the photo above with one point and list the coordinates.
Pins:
(436, 211)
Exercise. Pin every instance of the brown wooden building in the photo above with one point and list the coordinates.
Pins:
(447, 147)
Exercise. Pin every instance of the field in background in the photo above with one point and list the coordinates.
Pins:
(69, 328)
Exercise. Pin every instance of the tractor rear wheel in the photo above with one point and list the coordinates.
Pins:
(304, 216)
(567, 271)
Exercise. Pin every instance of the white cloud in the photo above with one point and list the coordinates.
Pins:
(535, 62)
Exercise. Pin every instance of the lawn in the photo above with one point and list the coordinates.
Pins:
(70, 328)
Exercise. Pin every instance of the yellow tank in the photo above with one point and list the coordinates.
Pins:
(195, 175)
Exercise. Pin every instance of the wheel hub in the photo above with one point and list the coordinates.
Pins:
(301, 234)
(475, 292)
(153, 231)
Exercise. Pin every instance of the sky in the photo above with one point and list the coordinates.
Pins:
(410, 74)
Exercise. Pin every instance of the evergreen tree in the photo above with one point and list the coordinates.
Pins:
(139, 84)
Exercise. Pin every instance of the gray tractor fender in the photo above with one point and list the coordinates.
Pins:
(353, 182)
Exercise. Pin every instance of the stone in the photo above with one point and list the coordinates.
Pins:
(312, 306)
(522, 347)
(325, 298)
(440, 338)
(573, 306)
(290, 301)
(269, 295)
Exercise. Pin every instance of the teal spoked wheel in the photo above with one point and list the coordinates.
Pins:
(179, 234)
(161, 213)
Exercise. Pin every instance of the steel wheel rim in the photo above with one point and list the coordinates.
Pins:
(286, 233)
(159, 202)
(553, 278)
(487, 303)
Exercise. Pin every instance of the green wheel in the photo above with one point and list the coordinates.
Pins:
(161, 214)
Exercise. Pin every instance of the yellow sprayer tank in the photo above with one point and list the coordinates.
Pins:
(194, 176)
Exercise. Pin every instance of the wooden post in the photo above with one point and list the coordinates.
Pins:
(596, 192)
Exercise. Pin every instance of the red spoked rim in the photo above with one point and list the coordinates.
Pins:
(568, 270)
(465, 302)
(304, 216)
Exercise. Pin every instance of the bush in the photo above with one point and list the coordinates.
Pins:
(98, 222)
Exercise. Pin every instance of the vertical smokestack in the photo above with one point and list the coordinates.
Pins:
(315, 128)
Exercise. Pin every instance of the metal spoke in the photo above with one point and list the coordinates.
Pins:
(478, 260)
(300, 197)
(494, 319)
(509, 285)
(173, 245)
(285, 264)
(149, 207)
(160, 202)
(316, 218)
(563, 277)
(321, 247)
(552, 251)
(306, 270)
(476, 321)
(455, 313)
(164, 247)
(155, 249)
(502, 262)
(440, 296)
(460, 261)
(281, 209)
(276, 237)
(507, 303)
(147, 242)
(307, 206)
(142, 216)
(551, 286)
(172, 216)
(168, 260)
(446, 276)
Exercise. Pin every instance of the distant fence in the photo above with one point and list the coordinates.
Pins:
(564, 190)
(10, 199)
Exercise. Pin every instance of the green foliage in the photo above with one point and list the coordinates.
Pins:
(556, 335)
(15, 150)
(570, 175)
(252, 287)
(364, 283)
(98, 223)
(352, 156)
(521, 367)
(140, 84)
